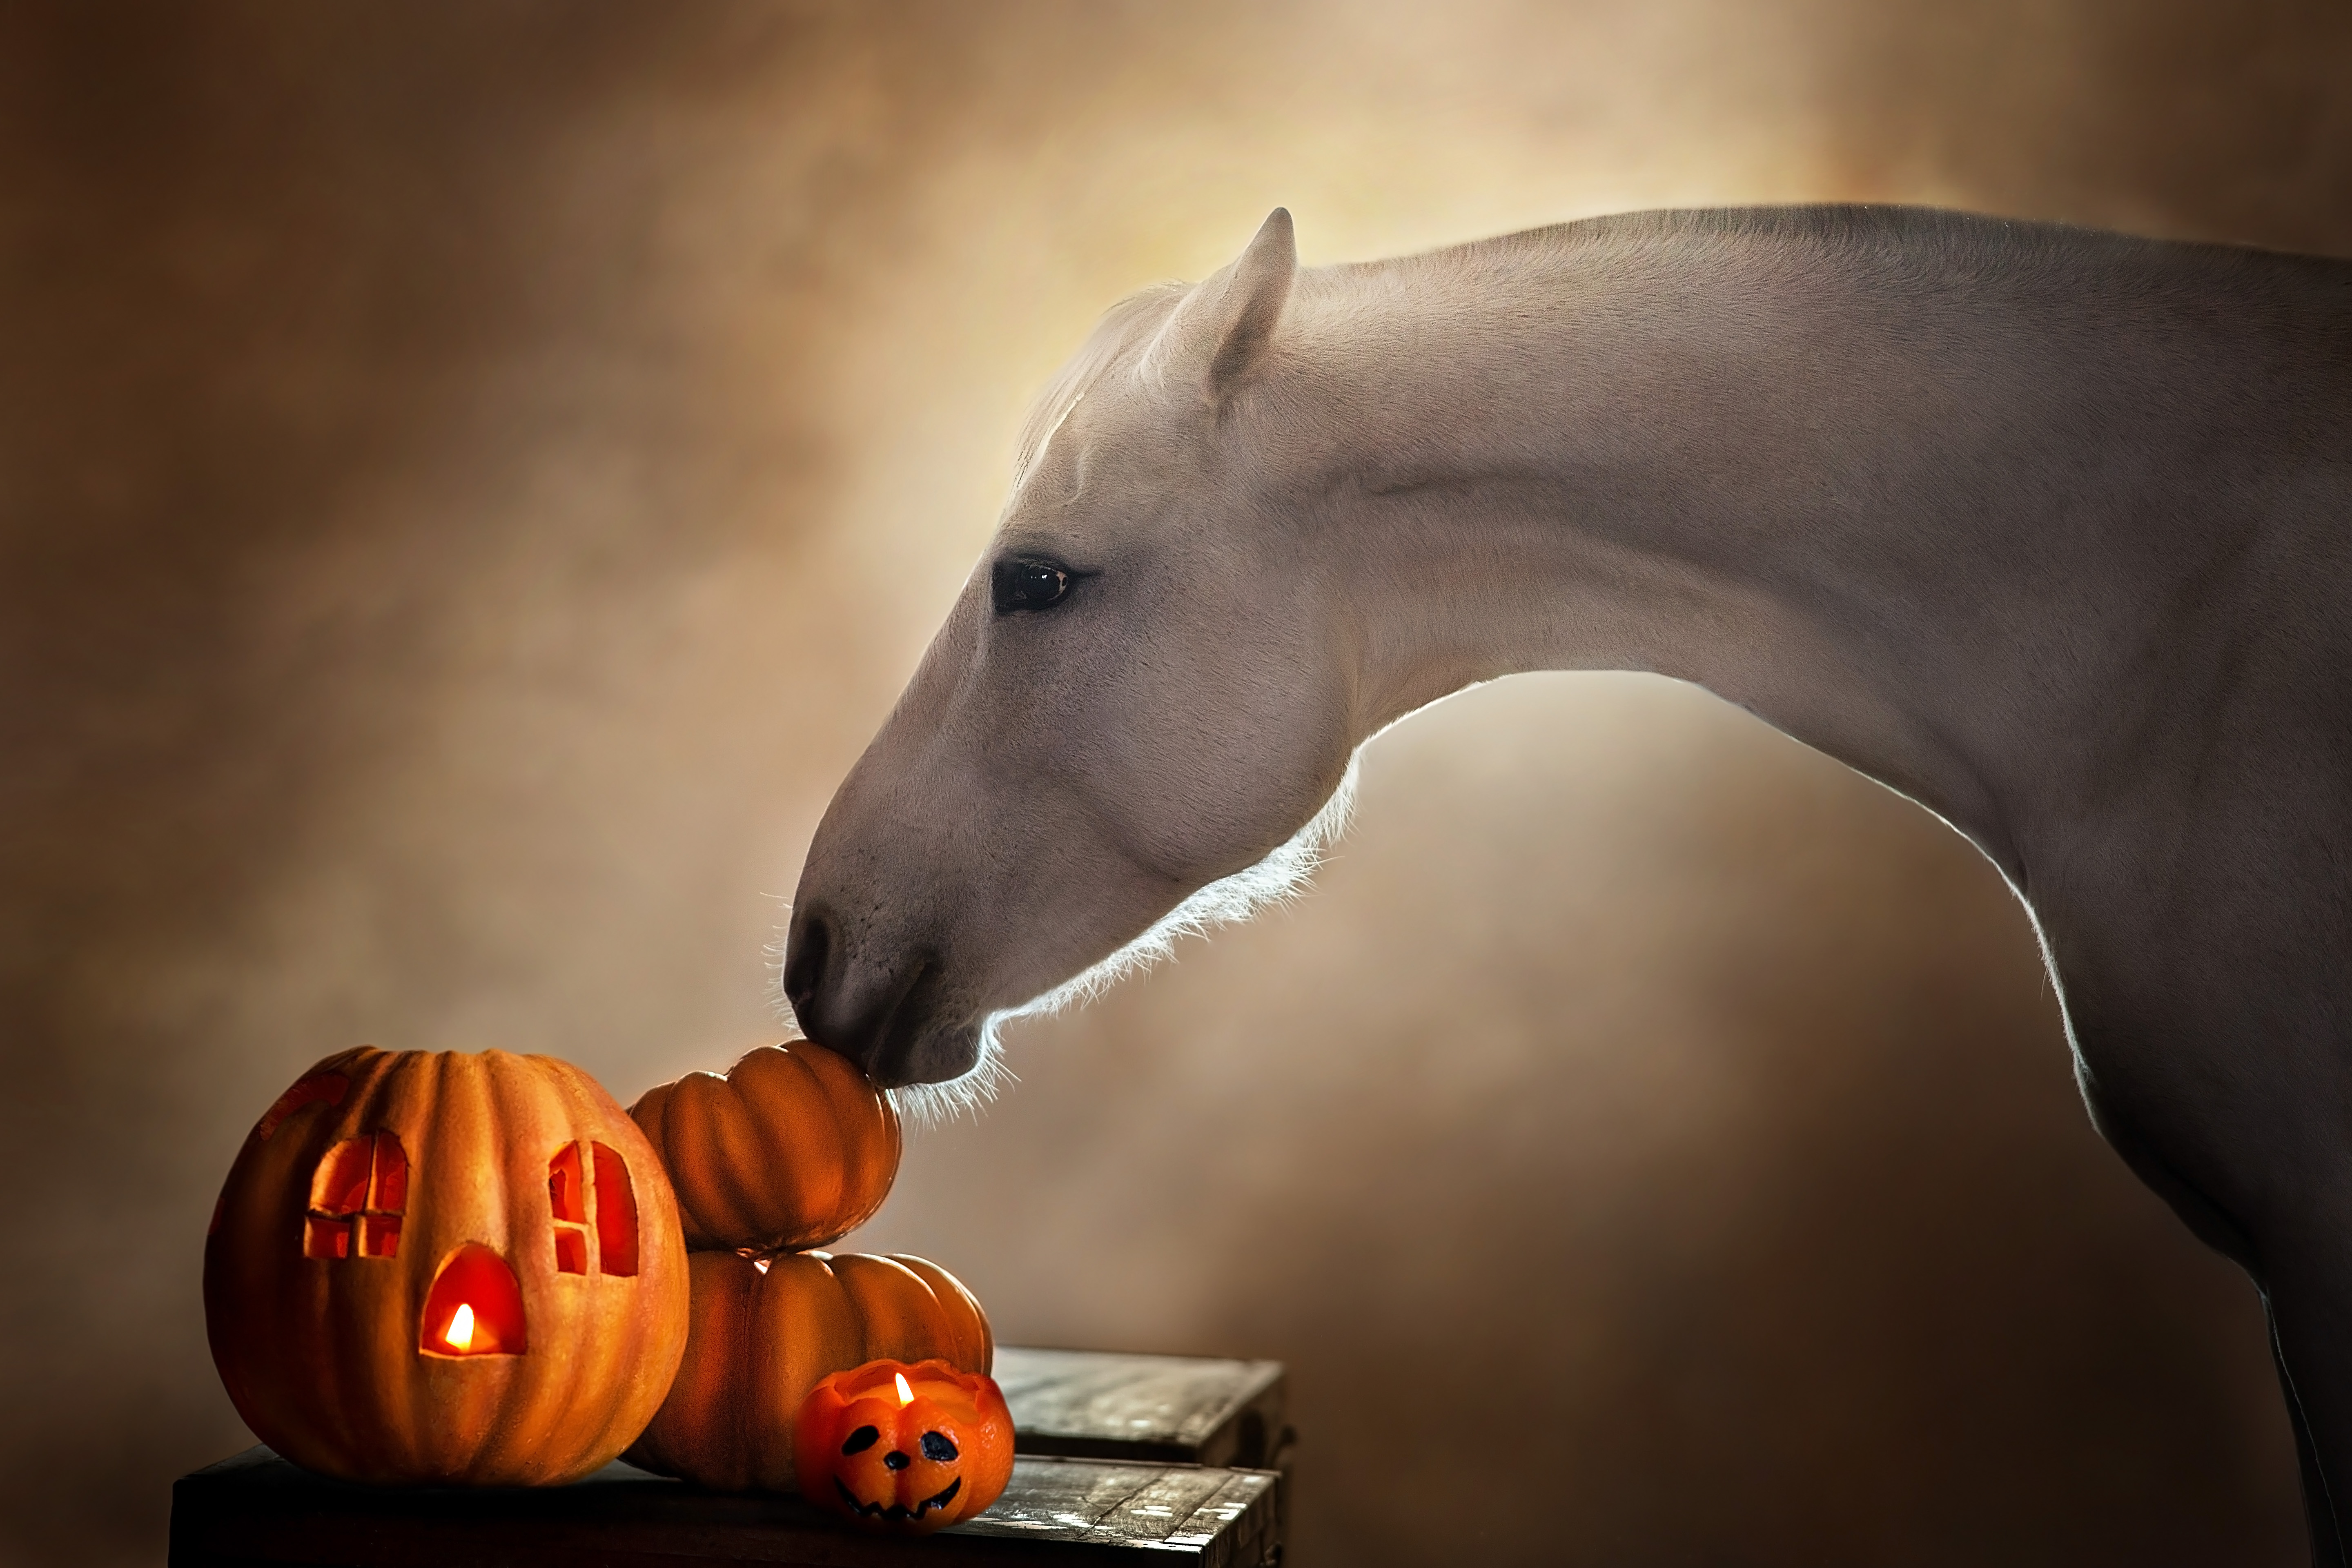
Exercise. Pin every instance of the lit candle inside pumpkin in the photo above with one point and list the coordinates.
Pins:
(461, 1327)
(939, 1453)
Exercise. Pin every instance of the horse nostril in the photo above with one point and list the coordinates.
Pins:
(805, 971)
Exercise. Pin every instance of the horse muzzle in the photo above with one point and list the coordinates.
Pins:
(897, 1019)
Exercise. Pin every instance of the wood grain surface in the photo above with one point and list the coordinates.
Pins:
(1112, 1451)
(257, 1508)
(1196, 1410)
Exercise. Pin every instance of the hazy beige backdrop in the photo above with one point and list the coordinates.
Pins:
(472, 476)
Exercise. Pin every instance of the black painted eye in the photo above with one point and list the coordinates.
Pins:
(938, 1446)
(864, 1438)
(1028, 585)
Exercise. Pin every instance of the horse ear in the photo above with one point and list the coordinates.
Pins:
(1220, 331)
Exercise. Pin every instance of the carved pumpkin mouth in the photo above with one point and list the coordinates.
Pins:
(897, 1513)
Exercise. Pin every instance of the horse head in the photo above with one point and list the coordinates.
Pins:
(1136, 702)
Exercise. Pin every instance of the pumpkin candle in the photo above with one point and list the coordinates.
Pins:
(906, 1449)
(763, 1332)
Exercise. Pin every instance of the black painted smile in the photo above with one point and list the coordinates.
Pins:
(897, 1513)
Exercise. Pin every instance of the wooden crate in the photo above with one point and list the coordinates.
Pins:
(1142, 1421)
(1185, 1409)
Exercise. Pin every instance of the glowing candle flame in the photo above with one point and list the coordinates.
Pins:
(461, 1327)
(906, 1394)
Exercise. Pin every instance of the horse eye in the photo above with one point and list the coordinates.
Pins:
(1028, 585)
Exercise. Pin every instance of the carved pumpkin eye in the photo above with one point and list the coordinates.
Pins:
(1029, 584)
(864, 1438)
(938, 1446)
(357, 1197)
(569, 1179)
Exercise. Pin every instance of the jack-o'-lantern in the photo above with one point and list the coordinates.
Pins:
(905, 1448)
(790, 1148)
(445, 1268)
(764, 1332)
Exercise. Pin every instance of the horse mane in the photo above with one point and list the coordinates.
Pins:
(1908, 249)
(1117, 332)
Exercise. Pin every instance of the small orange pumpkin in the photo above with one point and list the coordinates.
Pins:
(764, 1332)
(445, 1268)
(905, 1448)
(790, 1148)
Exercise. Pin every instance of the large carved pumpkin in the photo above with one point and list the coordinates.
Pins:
(764, 1332)
(791, 1148)
(445, 1268)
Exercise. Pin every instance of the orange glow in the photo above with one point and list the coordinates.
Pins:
(475, 1307)
(906, 1394)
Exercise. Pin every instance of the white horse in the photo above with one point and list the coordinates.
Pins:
(2045, 529)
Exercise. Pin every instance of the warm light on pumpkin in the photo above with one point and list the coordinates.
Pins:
(762, 1338)
(791, 1149)
(943, 1453)
(415, 1197)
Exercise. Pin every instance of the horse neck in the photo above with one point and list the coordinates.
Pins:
(1868, 485)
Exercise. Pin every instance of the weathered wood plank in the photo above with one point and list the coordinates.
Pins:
(1118, 1453)
(256, 1510)
(1183, 1409)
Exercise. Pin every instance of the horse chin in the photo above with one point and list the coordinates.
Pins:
(937, 1054)
(971, 1073)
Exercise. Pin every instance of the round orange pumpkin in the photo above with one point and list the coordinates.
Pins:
(445, 1268)
(905, 1448)
(790, 1148)
(764, 1332)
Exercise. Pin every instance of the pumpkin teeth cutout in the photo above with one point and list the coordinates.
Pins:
(475, 1307)
(358, 1195)
(899, 1513)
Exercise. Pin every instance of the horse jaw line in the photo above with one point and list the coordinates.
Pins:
(1277, 879)
(930, 1105)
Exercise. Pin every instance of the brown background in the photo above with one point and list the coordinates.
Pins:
(472, 476)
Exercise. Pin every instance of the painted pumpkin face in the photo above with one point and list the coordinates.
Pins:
(905, 1448)
(445, 1268)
